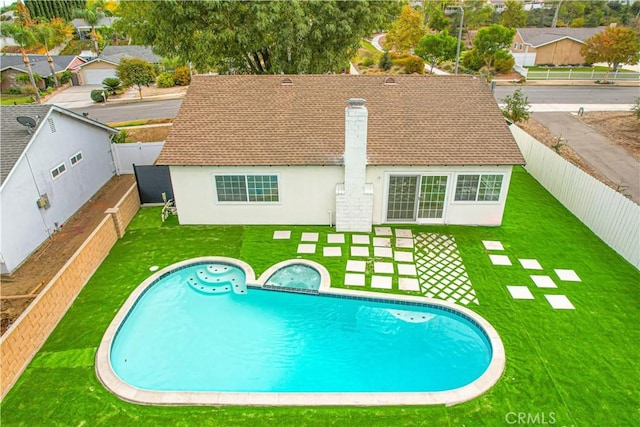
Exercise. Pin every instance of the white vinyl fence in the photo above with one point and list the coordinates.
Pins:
(610, 215)
(134, 153)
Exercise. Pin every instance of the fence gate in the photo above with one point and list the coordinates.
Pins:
(152, 182)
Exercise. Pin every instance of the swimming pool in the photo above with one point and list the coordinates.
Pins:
(267, 346)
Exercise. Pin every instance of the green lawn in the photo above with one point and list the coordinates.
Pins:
(15, 100)
(579, 367)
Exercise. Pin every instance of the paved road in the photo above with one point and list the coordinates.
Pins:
(612, 161)
(573, 94)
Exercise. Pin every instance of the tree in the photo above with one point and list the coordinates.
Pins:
(92, 14)
(45, 36)
(514, 15)
(615, 46)
(437, 20)
(135, 71)
(406, 31)
(516, 107)
(256, 37)
(25, 39)
(435, 48)
(489, 40)
(385, 61)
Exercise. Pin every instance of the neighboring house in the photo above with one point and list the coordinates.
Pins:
(46, 174)
(557, 46)
(12, 66)
(84, 30)
(283, 150)
(95, 71)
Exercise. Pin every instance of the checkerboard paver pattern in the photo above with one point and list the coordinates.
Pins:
(441, 272)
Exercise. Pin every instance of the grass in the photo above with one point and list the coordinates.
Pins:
(578, 366)
(15, 100)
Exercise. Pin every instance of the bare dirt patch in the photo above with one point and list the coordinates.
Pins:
(20, 288)
(148, 133)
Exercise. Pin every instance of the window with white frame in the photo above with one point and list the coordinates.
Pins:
(247, 188)
(58, 170)
(76, 158)
(515, 45)
(478, 188)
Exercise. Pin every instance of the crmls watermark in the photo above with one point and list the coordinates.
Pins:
(534, 418)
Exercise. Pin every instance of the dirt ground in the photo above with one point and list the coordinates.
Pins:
(148, 133)
(619, 126)
(19, 289)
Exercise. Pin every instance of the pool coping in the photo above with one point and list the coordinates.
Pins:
(132, 394)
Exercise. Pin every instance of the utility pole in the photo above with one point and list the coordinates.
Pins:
(554, 23)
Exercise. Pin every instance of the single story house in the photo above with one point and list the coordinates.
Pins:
(95, 71)
(557, 46)
(84, 30)
(52, 161)
(11, 66)
(350, 150)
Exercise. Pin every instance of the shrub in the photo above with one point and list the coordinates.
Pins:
(112, 84)
(367, 59)
(410, 63)
(182, 76)
(28, 90)
(516, 107)
(120, 138)
(636, 108)
(99, 95)
(503, 62)
(64, 77)
(14, 91)
(165, 80)
(472, 60)
(385, 61)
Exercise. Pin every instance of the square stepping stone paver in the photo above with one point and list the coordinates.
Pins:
(360, 239)
(359, 251)
(408, 284)
(500, 260)
(520, 292)
(383, 267)
(335, 238)
(282, 234)
(530, 264)
(403, 256)
(359, 266)
(352, 279)
(381, 282)
(332, 251)
(403, 242)
(543, 281)
(383, 252)
(492, 245)
(560, 302)
(383, 231)
(567, 276)
(384, 242)
(306, 248)
(407, 269)
(309, 237)
(404, 233)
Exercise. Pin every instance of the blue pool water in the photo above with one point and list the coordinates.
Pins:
(180, 338)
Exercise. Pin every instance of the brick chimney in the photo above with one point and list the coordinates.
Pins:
(354, 197)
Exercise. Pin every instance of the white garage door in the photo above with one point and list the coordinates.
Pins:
(96, 76)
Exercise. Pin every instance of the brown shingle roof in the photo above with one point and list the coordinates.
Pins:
(420, 120)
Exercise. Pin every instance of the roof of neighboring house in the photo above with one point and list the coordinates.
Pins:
(537, 37)
(15, 138)
(39, 63)
(116, 53)
(103, 22)
(419, 120)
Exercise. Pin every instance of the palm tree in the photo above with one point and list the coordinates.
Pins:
(25, 39)
(92, 15)
(45, 35)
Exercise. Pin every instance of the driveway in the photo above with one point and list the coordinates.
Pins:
(74, 97)
(613, 161)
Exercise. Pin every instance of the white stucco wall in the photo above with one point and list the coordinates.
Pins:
(307, 194)
(24, 226)
(455, 213)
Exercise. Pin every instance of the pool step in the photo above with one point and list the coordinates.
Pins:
(219, 287)
(216, 279)
(218, 270)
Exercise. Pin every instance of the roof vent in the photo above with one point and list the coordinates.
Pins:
(389, 81)
(286, 82)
